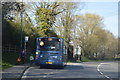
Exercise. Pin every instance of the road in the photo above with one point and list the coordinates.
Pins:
(86, 70)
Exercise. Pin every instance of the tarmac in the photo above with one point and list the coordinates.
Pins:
(15, 72)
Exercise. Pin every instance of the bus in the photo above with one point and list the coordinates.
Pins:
(50, 52)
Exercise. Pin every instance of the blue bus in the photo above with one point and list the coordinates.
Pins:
(50, 52)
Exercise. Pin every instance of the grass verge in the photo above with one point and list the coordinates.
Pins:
(9, 60)
(6, 65)
(85, 59)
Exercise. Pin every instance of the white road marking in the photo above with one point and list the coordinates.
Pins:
(73, 63)
(98, 69)
(25, 73)
(44, 76)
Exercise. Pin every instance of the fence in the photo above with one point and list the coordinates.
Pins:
(8, 48)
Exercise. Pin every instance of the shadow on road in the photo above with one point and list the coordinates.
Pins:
(74, 67)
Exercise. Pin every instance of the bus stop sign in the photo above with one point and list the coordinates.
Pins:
(26, 38)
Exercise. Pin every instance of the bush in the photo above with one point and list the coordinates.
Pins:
(10, 58)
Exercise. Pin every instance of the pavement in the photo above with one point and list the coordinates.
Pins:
(15, 72)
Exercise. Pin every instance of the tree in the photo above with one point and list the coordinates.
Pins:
(46, 14)
(11, 25)
(101, 42)
(111, 46)
(65, 24)
(9, 9)
(87, 25)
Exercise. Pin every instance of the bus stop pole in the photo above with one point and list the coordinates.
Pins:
(25, 46)
(25, 42)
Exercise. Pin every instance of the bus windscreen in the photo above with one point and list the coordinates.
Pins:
(49, 44)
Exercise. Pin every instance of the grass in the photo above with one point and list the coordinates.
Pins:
(6, 65)
(9, 60)
(85, 59)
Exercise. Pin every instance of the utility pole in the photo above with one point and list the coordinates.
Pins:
(21, 34)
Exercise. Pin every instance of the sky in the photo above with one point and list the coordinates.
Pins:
(107, 10)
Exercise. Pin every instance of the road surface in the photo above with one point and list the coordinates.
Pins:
(86, 70)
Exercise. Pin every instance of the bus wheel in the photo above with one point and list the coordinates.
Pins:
(65, 65)
(41, 67)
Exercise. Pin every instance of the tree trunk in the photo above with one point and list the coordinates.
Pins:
(70, 53)
(81, 57)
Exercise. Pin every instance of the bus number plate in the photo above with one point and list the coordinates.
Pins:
(48, 62)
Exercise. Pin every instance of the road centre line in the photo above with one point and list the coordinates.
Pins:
(98, 69)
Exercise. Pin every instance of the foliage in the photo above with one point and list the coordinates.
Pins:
(57, 19)
(65, 23)
(10, 58)
(5, 65)
(10, 9)
(11, 25)
(45, 17)
(92, 38)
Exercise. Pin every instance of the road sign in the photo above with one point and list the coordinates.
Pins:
(26, 38)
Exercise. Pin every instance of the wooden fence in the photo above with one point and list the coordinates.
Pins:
(8, 48)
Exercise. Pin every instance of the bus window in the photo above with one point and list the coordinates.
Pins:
(49, 44)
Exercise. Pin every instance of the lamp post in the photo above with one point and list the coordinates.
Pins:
(21, 35)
